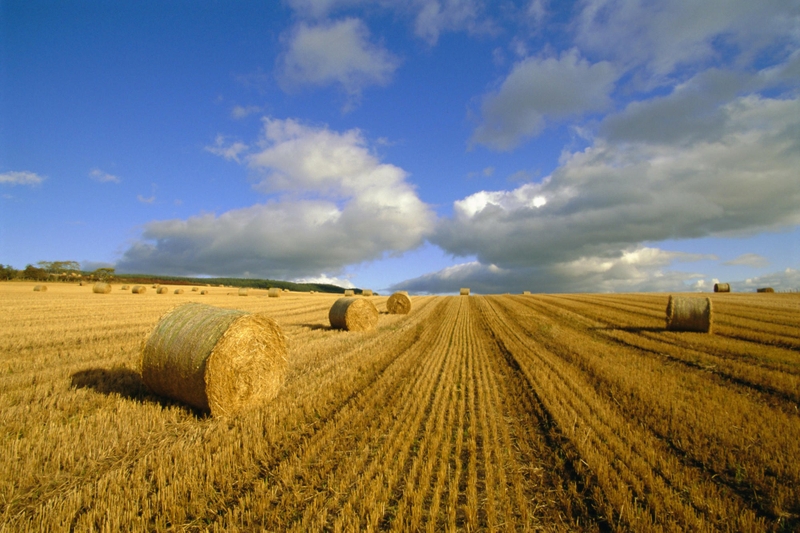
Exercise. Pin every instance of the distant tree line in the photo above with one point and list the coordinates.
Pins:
(55, 271)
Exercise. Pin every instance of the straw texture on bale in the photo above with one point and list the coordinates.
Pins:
(139, 289)
(722, 287)
(464, 291)
(162, 290)
(689, 314)
(398, 304)
(349, 292)
(222, 360)
(353, 314)
(366, 292)
(40, 288)
(242, 292)
(101, 288)
(765, 289)
(274, 293)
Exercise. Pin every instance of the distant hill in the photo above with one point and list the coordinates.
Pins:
(230, 282)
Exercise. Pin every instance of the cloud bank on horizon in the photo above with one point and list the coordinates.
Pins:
(673, 122)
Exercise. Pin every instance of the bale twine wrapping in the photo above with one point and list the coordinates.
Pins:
(349, 292)
(765, 289)
(689, 314)
(722, 287)
(242, 292)
(40, 288)
(398, 304)
(366, 292)
(139, 289)
(221, 360)
(353, 314)
(101, 288)
(162, 290)
(274, 293)
(178, 291)
(464, 291)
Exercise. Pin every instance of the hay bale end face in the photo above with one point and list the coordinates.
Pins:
(464, 291)
(398, 304)
(40, 288)
(139, 289)
(765, 289)
(274, 293)
(221, 360)
(242, 292)
(689, 314)
(101, 288)
(722, 287)
(353, 314)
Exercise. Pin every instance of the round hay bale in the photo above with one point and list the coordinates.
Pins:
(366, 292)
(527, 293)
(349, 292)
(162, 290)
(353, 314)
(178, 291)
(274, 293)
(203, 292)
(242, 292)
(195, 289)
(722, 287)
(689, 314)
(765, 289)
(398, 304)
(40, 288)
(221, 360)
(101, 288)
(124, 287)
(464, 291)
(139, 289)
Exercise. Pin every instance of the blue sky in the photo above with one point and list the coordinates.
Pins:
(426, 145)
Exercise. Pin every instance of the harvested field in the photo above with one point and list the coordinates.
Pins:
(496, 412)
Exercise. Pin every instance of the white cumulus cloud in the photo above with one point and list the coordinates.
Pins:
(20, 178)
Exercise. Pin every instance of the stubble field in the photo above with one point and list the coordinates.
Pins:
(497, 412)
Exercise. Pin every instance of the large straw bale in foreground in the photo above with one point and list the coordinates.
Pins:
(221, 360)
(274, 292)
(689, 314)
(139, 289)
(101, 288)
(353, 314)
(398, 304)
(722, 287)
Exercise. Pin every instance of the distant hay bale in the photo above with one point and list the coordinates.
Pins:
(139, 289)
(195, 289)
(349, 292)
(765, 289)
(722, 287)
(366, 292)
(689, 314)
(40, 288)
(286, 290)
(162, 290)
(155, 286)
(526, 292)
(178, 291)
(398, 304)
(101, 288)
(203, 292)
(221, 360)
(274, 293)
(242, 292)
(353, 314)
(124, 287)
(464, 291)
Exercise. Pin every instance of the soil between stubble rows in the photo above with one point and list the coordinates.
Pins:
(554, 413)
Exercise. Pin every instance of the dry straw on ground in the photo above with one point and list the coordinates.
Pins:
(162, 290)
(139, 289)
(464, 291)
(765, 289)
(398, 304)
(353, 314)
(689, 314)
(242, 292)
(274, 293)
(722, 287)
(40, 288)
(221, 360)
(101, 288)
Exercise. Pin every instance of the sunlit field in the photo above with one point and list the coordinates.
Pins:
(482, 412)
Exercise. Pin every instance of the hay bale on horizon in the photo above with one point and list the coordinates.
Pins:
(353, 314)
(162, 290)
(689, 314)
(139, 289)
(101, 288)
(274, 293)
(722, 287)
(349, 292)
(464, 291)
(398, 303)
(765, 289)
(40, 288)
(221, 360)
(526, 293)
(366, 292)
